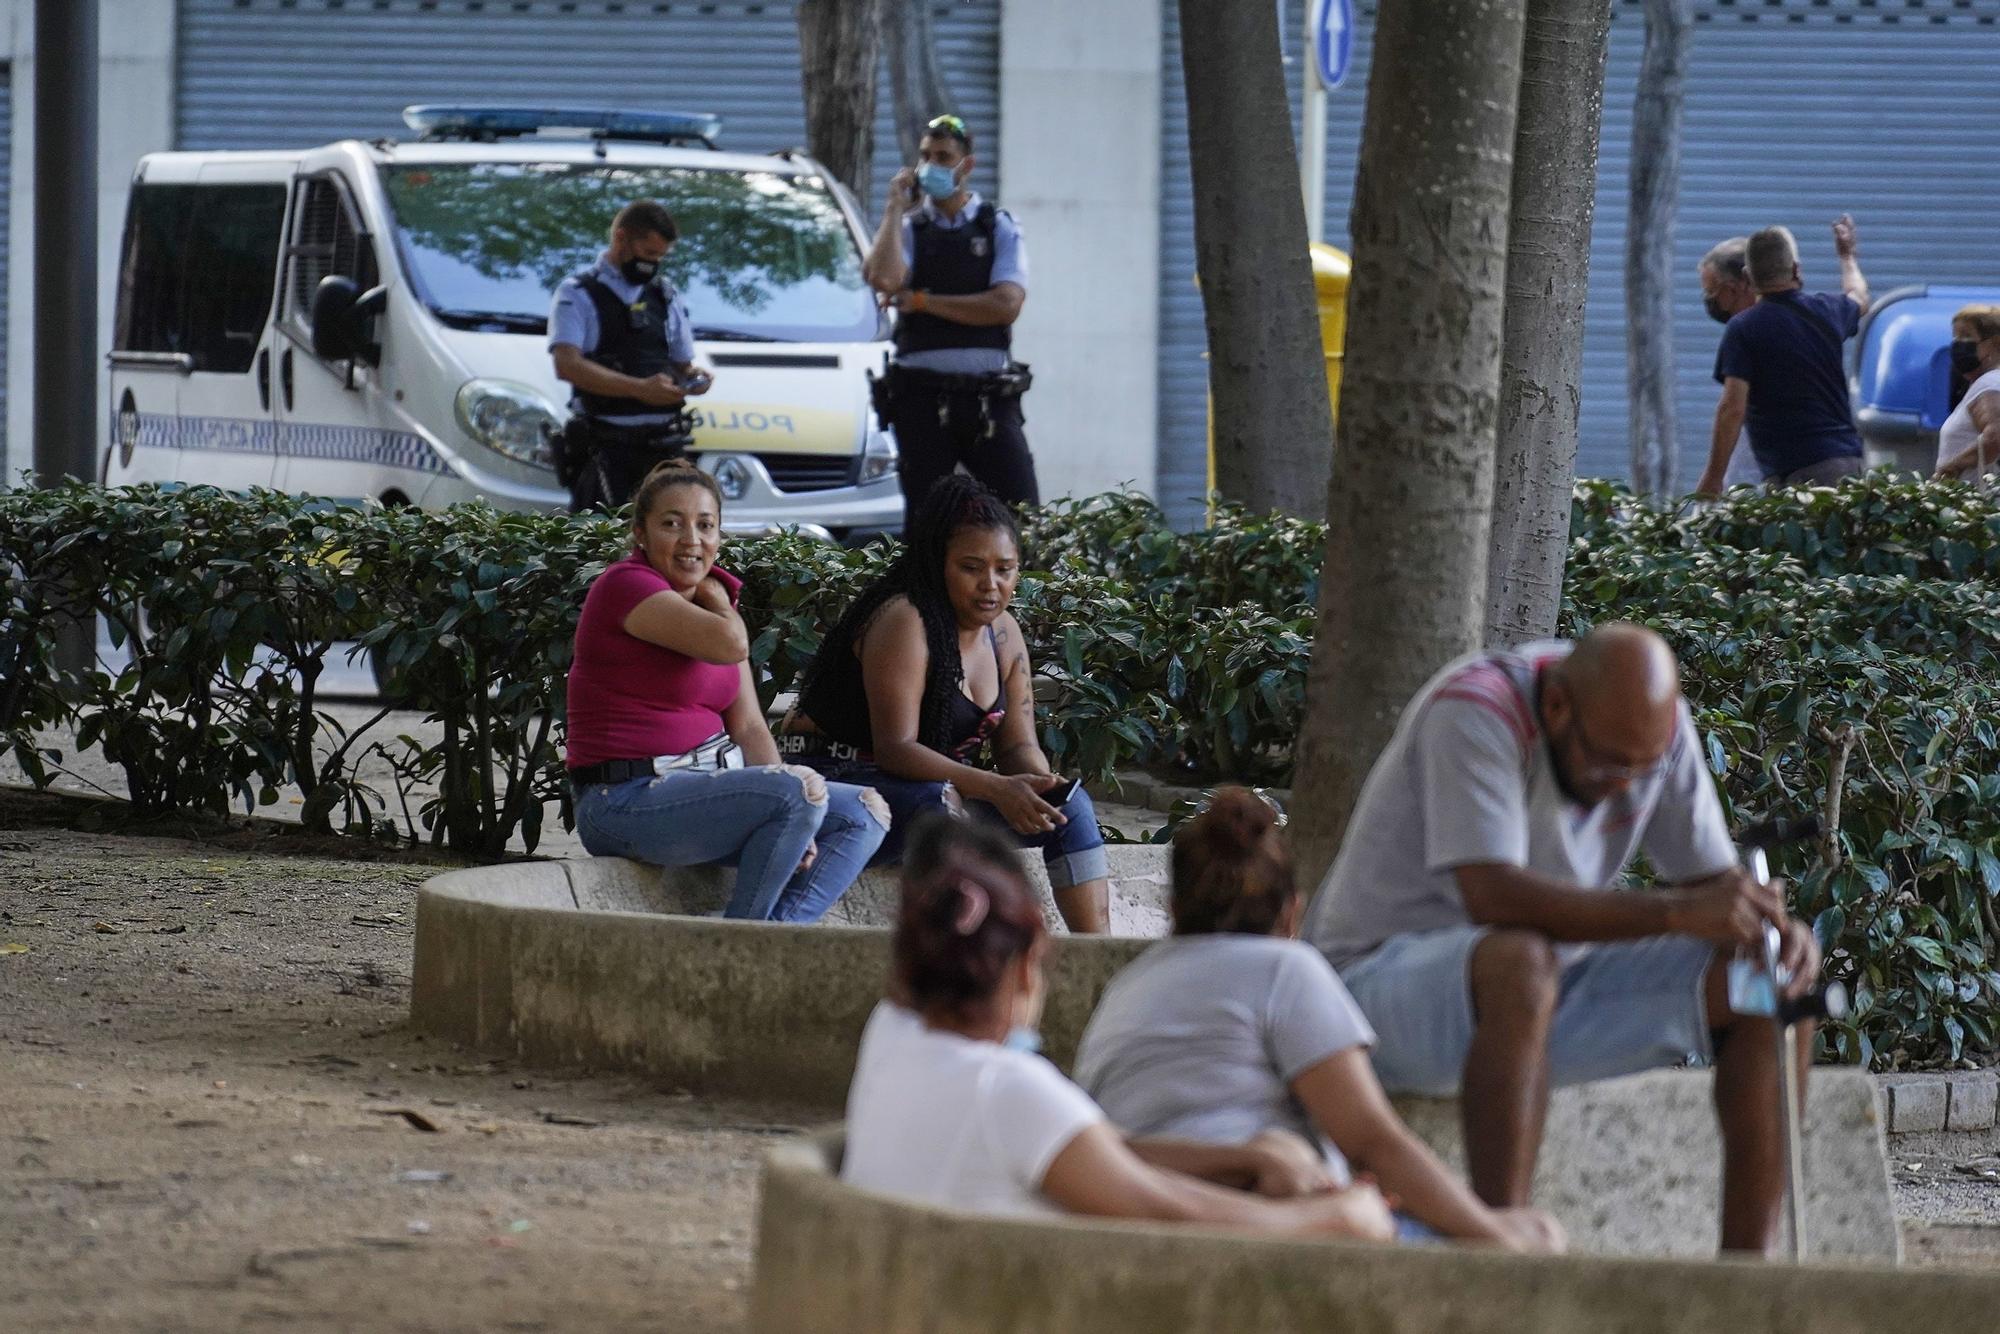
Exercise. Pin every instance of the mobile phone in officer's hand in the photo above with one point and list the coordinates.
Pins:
(1059, 795)
(696, 380)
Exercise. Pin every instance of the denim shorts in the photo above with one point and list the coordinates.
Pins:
(1623, 1006)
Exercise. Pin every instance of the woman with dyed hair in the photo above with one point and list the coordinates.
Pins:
(1231, 1028)
(923, 691)
(950, 1106)
(1969, 440)
(669, 756)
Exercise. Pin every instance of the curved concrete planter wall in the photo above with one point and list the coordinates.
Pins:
(831, 1259)
(507, 960)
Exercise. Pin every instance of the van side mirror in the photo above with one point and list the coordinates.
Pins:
(340, 315)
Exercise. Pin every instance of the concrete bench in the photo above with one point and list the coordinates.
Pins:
(832, 1259)
(507, 960)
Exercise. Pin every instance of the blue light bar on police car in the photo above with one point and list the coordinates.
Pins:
(441, 121)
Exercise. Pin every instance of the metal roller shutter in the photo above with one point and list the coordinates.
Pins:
(1796, 110)
(295, 73)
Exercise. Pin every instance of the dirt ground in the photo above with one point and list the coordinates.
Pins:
(213, 1112)
(206, 1121)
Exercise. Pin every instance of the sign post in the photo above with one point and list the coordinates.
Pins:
(1330, 41)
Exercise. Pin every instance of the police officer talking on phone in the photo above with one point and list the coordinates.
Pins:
(620, 336)
(952, 265)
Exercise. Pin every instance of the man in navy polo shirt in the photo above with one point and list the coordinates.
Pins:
(1780, 369)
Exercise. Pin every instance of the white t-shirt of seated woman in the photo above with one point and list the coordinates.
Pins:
(1958, 434)
(955, 1122)
(1201, 1037)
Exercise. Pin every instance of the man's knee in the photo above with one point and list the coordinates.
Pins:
(1515, 976)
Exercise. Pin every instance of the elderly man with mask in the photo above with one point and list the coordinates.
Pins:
(1478, 917)
(1780, 369)
(1725, 293)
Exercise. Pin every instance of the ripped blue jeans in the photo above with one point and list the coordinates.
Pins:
(758, 820)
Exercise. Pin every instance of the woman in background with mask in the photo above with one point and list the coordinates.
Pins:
(1969, 440)
(950, 1106)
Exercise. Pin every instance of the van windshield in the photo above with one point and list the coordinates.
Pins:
(762, 255)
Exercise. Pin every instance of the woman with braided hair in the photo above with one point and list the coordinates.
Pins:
(951, 1106)
(926, 673)
(1232, 1028)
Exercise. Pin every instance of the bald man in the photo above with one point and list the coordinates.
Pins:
(1468, 913)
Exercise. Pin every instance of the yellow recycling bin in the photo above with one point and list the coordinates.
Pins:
(1331, 268)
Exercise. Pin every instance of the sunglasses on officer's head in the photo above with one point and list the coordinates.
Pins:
(950, 125)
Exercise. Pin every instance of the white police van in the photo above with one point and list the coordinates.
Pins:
(368, 320)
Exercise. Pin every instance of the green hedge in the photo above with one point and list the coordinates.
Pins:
(1817, 629)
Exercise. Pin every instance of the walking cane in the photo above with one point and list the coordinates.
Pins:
(1757, 987)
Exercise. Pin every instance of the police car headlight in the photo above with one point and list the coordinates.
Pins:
(878, 460)
(733, 476)
(511, 418)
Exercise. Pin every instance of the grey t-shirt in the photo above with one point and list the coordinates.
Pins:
(1467, 779)
(1201, 1036)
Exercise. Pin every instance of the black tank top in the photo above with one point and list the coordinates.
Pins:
(838, 706)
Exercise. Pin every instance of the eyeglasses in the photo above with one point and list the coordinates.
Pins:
(1611, 771)
(1207, 799)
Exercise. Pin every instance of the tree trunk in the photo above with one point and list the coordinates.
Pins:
(916, 78)
(840, 58)
(1404, 585)
(1266, 370)
(1548, 270)
(1649, 246)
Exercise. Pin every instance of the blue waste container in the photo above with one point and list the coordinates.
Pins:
(1901, 382)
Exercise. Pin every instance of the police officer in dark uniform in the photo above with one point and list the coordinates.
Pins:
(954, 268)
(620, 336)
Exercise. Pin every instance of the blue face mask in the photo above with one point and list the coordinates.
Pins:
(1022, 1038)
(937, 181)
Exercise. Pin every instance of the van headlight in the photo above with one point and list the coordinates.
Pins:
(878, 460)
(509, 417)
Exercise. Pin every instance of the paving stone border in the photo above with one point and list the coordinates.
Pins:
(1929, 1101)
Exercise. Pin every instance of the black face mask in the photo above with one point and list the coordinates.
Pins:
(1715, 310)
(1965, 358)
(639, 271)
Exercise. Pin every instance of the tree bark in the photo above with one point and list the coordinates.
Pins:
(916, 76)
(1649, 246)
(840, 58)
(1548, 271)
(1404, 585)
(1266, 369)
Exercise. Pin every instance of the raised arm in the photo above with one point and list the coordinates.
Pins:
(703, 625)
(884, 267)
(1846, 244)
(998, 304)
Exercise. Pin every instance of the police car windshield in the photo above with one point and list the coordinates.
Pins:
(763, 255)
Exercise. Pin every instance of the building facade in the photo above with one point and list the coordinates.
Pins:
(1796, 111)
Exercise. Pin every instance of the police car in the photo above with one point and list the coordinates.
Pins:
(368, 320)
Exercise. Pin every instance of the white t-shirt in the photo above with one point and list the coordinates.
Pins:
(950, 1121)
(1467, 779)
(1201, 1037)
(1958, 433)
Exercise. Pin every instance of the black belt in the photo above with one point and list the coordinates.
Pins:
(1011, 382)
(611, 771)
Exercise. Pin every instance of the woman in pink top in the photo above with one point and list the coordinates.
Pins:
(663, 717)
